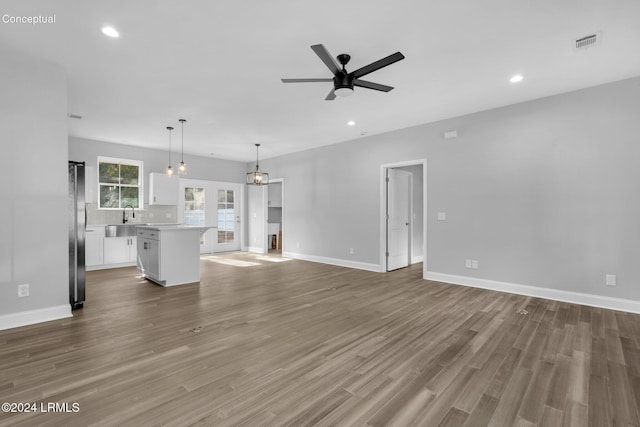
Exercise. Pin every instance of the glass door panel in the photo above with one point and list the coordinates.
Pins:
(195, 211)
(228, 238)
(226, 216)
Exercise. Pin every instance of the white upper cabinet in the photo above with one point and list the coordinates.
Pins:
(275, 196)
(163, 189)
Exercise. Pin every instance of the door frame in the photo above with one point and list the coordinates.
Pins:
(281, 181)
(383, 210)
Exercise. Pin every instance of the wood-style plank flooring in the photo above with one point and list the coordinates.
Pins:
(267, 341)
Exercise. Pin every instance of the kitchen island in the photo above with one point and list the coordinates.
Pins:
(169, 255)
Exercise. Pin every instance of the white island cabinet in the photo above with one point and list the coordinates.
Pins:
(170, 254)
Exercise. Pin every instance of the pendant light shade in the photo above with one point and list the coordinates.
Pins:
(182, 168)
(257, 177)
(169, 169)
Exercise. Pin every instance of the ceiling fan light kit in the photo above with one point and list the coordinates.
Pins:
(344, 82)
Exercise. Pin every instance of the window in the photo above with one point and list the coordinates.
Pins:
(120, 183)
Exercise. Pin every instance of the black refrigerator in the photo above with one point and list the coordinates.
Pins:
(77, 223)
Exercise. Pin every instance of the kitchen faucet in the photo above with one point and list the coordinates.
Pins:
(133, 213)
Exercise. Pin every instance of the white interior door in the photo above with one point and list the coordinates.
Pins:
(398, 218)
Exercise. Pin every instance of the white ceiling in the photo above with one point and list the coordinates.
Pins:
(219, 64)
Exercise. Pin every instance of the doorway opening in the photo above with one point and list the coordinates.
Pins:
(403, 207)
(275, 216)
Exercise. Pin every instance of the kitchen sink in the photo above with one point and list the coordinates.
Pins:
(127, 230)
(120, 230)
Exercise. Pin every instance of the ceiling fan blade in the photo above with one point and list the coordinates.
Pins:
(305, 80)
(377, 65)
(371, 85)
(331, 96)
(326, 57)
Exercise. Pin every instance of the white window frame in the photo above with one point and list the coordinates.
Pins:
(130, 162)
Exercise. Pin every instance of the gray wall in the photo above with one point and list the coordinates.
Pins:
(256, 218)
(543, 193)
(210, 169)
(33, 196)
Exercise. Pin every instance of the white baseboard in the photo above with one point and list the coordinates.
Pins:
(334, 261)
(592, 300)
(416, 259)
(24, 318)
(108, 266)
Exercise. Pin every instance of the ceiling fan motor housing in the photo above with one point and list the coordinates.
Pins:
(343, 80)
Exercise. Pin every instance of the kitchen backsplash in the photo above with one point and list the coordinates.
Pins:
(150, 214)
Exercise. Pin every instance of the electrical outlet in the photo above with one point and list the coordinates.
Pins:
(351, 251)
(23, 290)
(610, 280)
(474, 264)
(298, 245)
(467, 263)
(150, 214)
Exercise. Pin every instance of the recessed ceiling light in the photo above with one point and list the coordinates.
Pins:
(516, 78)
(351, 123)
(110, 31)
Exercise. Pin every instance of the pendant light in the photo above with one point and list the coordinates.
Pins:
(257, 177)
(182, 169)
(169, 169)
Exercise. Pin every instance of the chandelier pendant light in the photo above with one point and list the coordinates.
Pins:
(182, 168)
(169, 169)
(257, 177)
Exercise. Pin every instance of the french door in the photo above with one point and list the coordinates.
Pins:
(213, 204)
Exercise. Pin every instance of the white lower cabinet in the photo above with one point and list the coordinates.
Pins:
(149, 257)
(94, 246)
(120, 250)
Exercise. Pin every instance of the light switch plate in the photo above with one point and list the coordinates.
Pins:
(442, 216)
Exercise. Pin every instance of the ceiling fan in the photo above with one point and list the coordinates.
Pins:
(343, 82)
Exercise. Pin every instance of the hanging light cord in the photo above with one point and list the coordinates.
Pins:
(169, 170)
(170, 129)
(182, 123)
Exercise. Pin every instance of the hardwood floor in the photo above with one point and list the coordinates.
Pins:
(267, 341)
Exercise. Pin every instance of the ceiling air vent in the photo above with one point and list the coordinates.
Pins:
(75, 116)
(587, 41)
